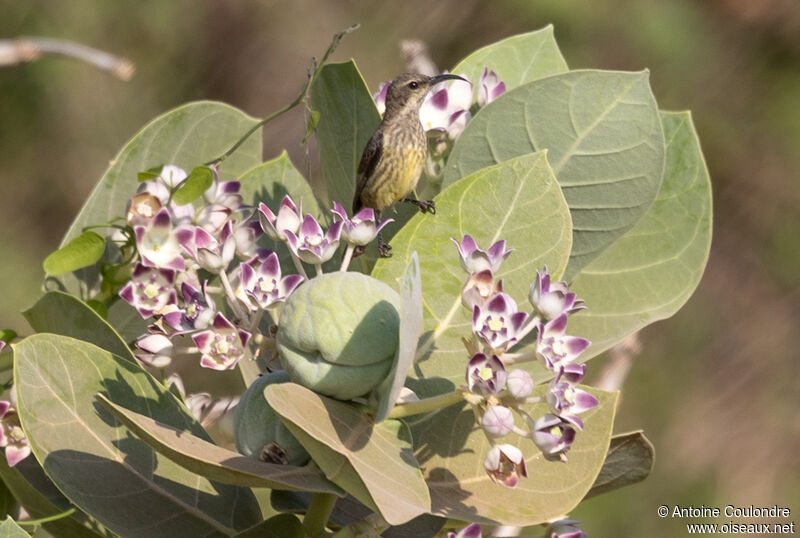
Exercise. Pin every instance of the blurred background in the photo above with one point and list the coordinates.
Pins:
(715, 388)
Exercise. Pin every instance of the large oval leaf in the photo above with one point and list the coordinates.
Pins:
(604, 140)
(518, 200)
(61, 313)
(185, 136)
(652, 270)
(380, 454)
(217, 463)
(450, 448)
(348, 117)
(517, 60)
(97, 463)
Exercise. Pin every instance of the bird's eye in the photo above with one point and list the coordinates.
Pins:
(413, 84)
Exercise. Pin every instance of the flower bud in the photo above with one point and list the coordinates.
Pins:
(338, 334)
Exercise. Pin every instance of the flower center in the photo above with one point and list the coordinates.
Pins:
(266, 286)
(485, 373)
(495, 324)
(151, 290)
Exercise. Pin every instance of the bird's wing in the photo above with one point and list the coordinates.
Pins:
(369, 160)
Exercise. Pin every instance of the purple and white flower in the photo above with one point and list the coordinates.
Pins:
(261, 280)
(362, 229)
(568, 401)
(498, 322)
(474, 259)
(223, 345)
(565, 528)
(447, 109)
(289, 218)
(473, 530)
(12, 438)
(519, 384)
(380, 97)
(479, 287)
(154, 350)
(485, 375)
(141, 209)
(555, 347)
(552, 434)
(490, 87)
(150, 289)
(551, 299)
(212, 255)
(310, 244)
(497, 421)
(161, 245)
(505, 465)
(198, 312)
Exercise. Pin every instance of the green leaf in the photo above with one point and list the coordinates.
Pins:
(216, 463)
(150, 173)
(452, 457)
(518, 200)
(82, 251)
(604, 140)
(92, 458)
(313, 120)
(517, 60)
(379, 453)
(629, 460)
(185, 136)
(410, 331)
(7, 335)
(279, 526)
(348, 117)
(652, 270)
(195, 184)
(61, 313)
(10, 529)
(40, 497)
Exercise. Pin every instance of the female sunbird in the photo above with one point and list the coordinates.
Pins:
(395, 156)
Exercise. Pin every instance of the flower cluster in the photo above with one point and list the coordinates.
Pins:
(12, 438)
(202, 276)
(496, 392)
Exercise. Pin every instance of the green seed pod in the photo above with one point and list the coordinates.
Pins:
(258, 431)
(338, 334)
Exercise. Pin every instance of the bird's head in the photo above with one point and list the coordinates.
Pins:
(406, 92)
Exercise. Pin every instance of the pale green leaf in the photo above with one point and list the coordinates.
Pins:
(33, 490)
(347, 118)
(60, 313)
(92, 458)
(186, 136)
(652, 270)
(195, 184)
(604, 140)
(518, 200)
(451, 449)
(82, 251)
(517, 60)
(278, 526)
(214, 462)
(380, 454)
(10, 529)
(410, 330)
(629, 460)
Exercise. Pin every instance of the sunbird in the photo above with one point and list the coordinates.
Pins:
(394, 157)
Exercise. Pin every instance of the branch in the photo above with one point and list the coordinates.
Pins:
(28, 49)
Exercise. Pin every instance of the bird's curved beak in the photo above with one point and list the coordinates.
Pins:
(446, 76)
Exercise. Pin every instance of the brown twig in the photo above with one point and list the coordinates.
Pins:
(28, 49)
(620, 360)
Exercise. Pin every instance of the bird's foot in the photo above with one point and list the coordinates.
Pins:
(425, 206)
(384, 250)
(359, 250)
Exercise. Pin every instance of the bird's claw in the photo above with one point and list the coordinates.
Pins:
(384, 250)
(425, 206)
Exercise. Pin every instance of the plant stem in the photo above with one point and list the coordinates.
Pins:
(348, 255)
(232, 299)
(319, 510)
(426, 405)
(312, 75)
(48, 519)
